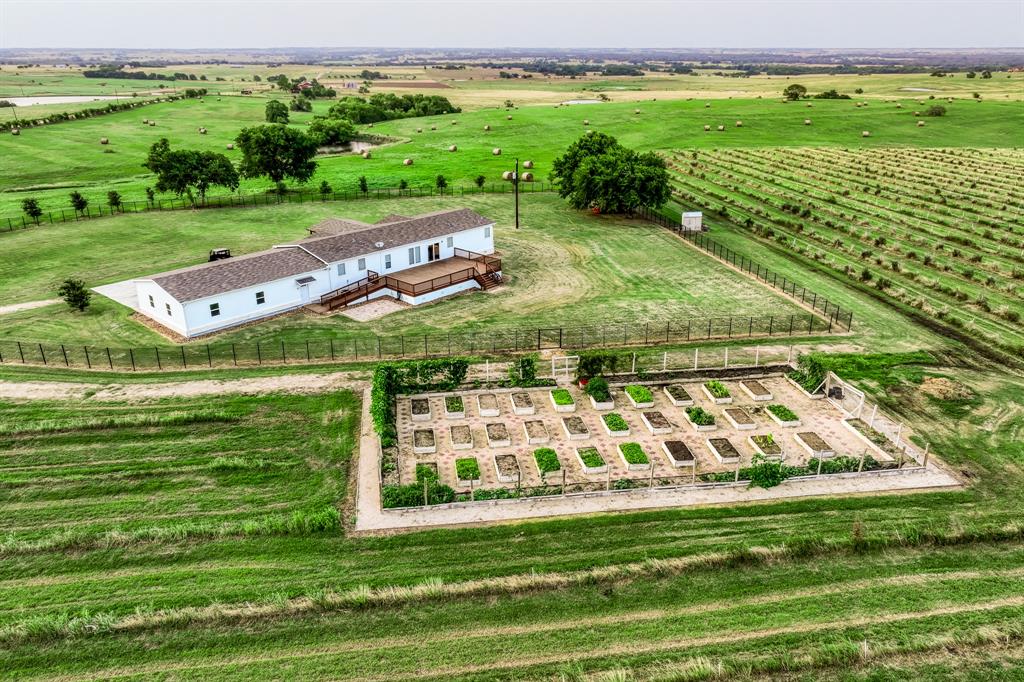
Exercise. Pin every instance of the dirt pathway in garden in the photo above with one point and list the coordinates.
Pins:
(283, 383)
(30, 305)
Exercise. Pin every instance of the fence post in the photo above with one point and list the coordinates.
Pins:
(21, 352)
(874, 411)
(42, 353)
(284, 359)
(259, 354)
(65, 354)
(131, 355)
(88, 362)
(110, 361)
(726, 365)
(158, 365)
(695, 350)
(209, 356)
(757, 355)
(234, 357)
(184, 363)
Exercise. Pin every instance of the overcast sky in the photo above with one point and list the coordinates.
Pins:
(512, 23)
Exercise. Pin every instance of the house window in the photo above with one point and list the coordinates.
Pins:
(450, 242)
(415, 255)
(152, 303)
(487, 232)
(341, 268)
(214, 309)
(362, 263)
(260, 298)
(387, 261)
(168, 306)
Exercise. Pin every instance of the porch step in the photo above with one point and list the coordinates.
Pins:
(488, 280)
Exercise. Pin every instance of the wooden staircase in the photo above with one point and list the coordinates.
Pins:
(488, 280)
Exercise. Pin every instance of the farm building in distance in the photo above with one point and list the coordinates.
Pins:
(343, 262)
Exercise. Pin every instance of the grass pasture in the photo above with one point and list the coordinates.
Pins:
(939, 230)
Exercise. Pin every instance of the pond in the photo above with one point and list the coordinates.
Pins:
(60, 99)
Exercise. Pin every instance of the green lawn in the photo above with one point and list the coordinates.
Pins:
(633, 592)
(48, 162)
(563, 268)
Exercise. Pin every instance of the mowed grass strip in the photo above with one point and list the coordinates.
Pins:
(252, 457)
(714, 612)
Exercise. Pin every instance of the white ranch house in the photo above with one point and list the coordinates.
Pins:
(343, 262)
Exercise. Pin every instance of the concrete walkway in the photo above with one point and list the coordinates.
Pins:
(122, 292)
(371, 518)
(30, 305)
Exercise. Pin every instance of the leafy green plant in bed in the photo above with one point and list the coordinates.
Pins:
(547, 460)
(765, 473)
(783, 413)
(699, 416)
(615, 422)
(425, 472)
(562, 396)
(591, 457)
(597, 388)
(717, 389)
(765, 442)
(634, 453)
(639, 394)
(467, 469)
(453, 403)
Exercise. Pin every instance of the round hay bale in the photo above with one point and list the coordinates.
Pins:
(367, 154)
(407, 162)
(230, 145)
(496, 151)
(369, 125)
(104, 140)
(152, 123)
(739, 124)
(586, 121)
(433, 127)
(487, 127)
(509, 117)
(507, 175)
(707, 105)
(527, 164)
(527, 177)
(899, 106)
(419, 130)
(636, 111)
(590, 132)
(707, 128)
(810, 106)
(917, 113)
(807, 121)
(145, 121)
(453, 148)
(920, 124)
(721, 128)
(455, 123)
(202, 131)
(15, 131)
(865, 133)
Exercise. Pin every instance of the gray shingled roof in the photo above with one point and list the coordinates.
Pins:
(392, 218)
(353, 239)
(340, 247)
(337, 226)
(238, 272)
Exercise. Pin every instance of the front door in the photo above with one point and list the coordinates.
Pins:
(304, 293)
(434, 251)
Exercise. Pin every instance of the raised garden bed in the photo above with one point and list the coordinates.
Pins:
(803, 391)
(678, 395)
(423, 442)
(420, 410)
(814, 444)
(462, 437)
(723, 450)
(716, 392)
(873, 437)
(756, 390)
(782, 415)
(467, 472)
(700, 419)
(640, 396)
(634, 457)
(602, 405)
(522, 404)
(547, 462)
(488, 405)
(614, 424)
(562, 400)
(507, 468)
(426, 471)
(656, 423)
(678, 453)
(454, 408)
(600, 397)
(740, 419)
(766, 445)
(536, 432)
(575, 428)
(497, 435)
(591, 461)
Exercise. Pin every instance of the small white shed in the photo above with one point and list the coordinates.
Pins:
(693, 221)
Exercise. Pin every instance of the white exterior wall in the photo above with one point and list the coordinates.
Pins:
(158, 311)
(440, 293)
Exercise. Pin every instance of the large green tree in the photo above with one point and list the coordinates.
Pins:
(794, 91)
(189, 172)
(331, 131)
(276, 112)
(277, 152)
(597, 172)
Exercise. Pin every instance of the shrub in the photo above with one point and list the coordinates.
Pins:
(592, 364)
(717, 389)
(765, 473)
(633, 453)
(615, 422)
(783, 413)
(425, 472)
(75, 294)
(639, 394)
(547, 460)
(412, 495)
(523, 371)
(562, 397)
(597, 388)
(467, 469)
(699, 416)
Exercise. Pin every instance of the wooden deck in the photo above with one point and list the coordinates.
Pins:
(439, 268)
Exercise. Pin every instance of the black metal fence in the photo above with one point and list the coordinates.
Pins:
(809, 297)
(356, 348)
(261, 199)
